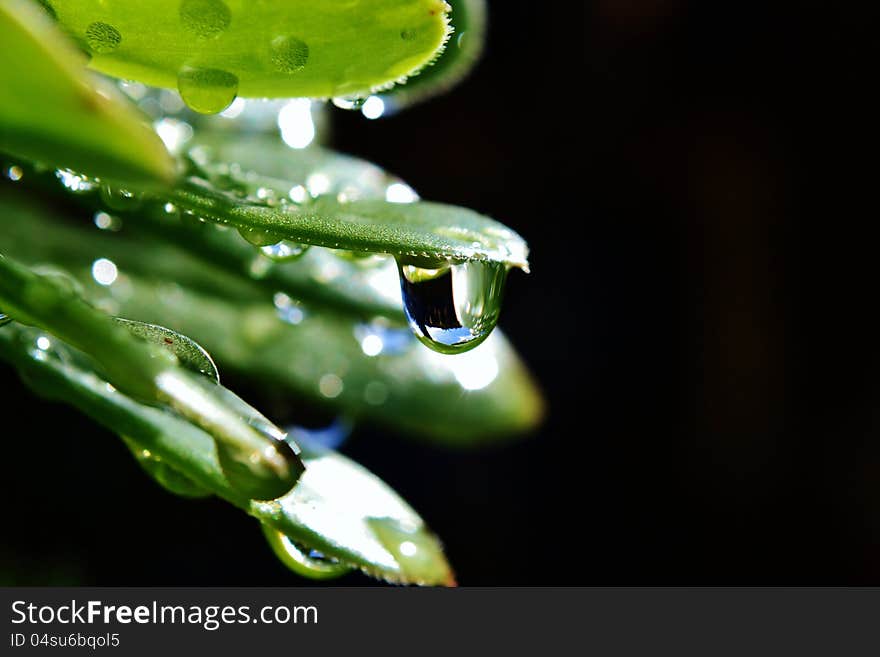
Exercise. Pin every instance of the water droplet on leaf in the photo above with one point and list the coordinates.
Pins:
(349, 102)
(301, 559)
(4, 319)
(284, 250)
(412, 547)
(289, 54)
(259, 237)
(452, 308)
(207, 90)
(248, 472)
(205, 19)
(165, 475)
(102, 38)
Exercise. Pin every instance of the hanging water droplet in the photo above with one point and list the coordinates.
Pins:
(284, 250)
(259, 237)
(452, 308)
(207, 90)
(301, 559)
(205, 19)
(102, 37)
(14, 173)
(349, 102)
(288, 54)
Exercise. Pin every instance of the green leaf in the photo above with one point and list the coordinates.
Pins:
(212, 50)
(259, 464)
(461, 53)
(337, 507)
(346, 511)
(461, 400)
(54, 112)
(419, 232)
(250, 186)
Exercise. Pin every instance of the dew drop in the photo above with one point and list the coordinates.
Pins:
(453, 308)
(207, 90)
(301, 559)
(284, 250)
(205, 19)
(259, 237)
(289, 54)
(102, 37)
(250, 472)
(14, 173)
(165, 475)
(4, 319)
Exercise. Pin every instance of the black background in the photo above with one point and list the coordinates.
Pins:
(696, 184)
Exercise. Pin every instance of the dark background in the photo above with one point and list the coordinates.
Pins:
(696, 185)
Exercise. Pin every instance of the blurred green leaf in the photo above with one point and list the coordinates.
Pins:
(54, 112)
(259, 465)
(337, 507)
(212, 50)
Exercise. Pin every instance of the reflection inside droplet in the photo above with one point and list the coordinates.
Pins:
(455, 307)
